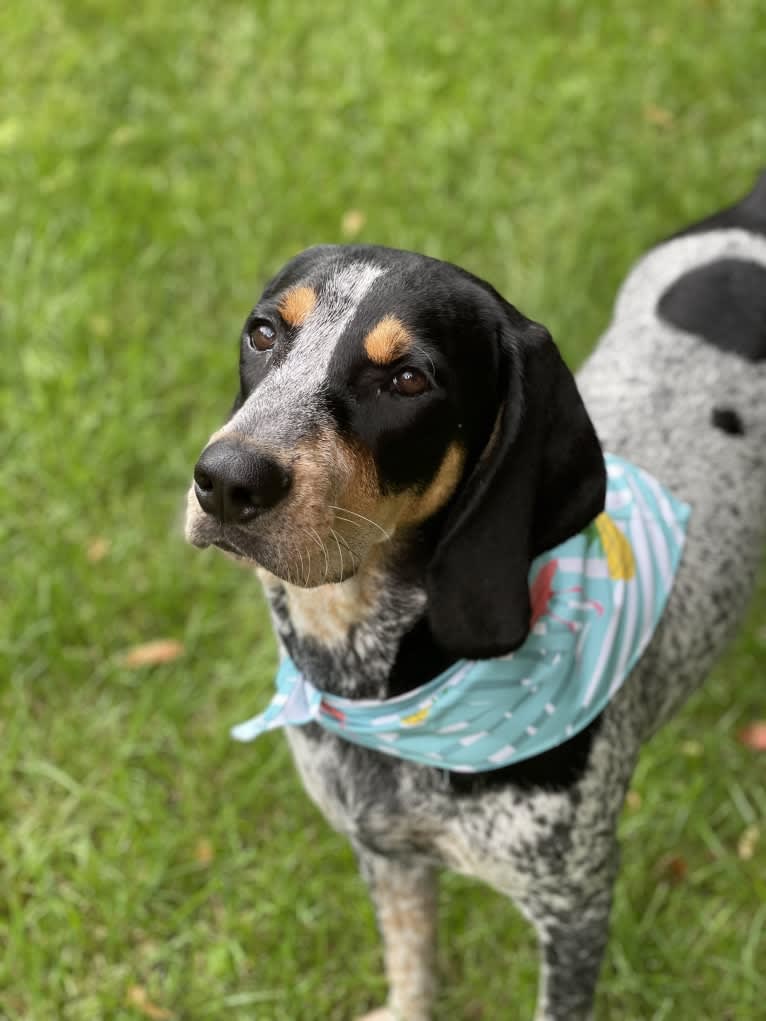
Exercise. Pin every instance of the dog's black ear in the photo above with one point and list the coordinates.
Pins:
(539, 481)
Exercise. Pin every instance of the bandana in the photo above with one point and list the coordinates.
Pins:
(596, 601)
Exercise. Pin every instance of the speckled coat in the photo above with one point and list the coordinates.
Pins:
(681, 392)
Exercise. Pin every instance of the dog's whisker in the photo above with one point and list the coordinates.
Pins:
(303, 569)
(284, 567)
(239, 550)
(349, 521)
(339, 538)
(340, 552)
(318, 539)
(341, 542)
(356, 514)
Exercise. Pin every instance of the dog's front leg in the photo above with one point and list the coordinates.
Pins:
(405, 898)
(571, 917)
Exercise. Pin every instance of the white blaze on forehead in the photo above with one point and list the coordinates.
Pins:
(341, 296)
(291, 385)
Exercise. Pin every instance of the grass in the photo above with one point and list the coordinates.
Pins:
(158, 162)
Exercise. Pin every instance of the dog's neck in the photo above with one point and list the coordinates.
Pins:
(365, 637)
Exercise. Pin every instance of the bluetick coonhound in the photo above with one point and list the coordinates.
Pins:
(403, 444)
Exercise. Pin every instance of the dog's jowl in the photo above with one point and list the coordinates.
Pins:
(491, 584)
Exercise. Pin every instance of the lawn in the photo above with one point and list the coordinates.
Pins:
(157, 162)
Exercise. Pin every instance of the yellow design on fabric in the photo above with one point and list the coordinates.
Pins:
(415, 718)
(619, 555)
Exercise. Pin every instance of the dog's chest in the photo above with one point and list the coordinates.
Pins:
(346, 643)
(368, 797)
(345, 637)
(396, 810)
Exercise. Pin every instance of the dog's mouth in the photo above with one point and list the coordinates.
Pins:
(226, 547)
(200, 534)
(232, 546)
(302, 550)
(319, 561)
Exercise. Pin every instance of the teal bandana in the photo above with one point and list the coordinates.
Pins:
(596, 601)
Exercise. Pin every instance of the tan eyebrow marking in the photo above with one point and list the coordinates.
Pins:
(296, 305)
(387, 341)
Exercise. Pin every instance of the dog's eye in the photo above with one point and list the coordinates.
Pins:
(261, 337)
(409, 382)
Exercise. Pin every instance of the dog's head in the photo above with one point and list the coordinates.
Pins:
(385, 397)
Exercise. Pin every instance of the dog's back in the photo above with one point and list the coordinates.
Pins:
(678, 385)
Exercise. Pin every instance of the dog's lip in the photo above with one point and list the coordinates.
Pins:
(222, 543)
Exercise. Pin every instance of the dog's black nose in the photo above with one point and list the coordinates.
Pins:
(236, 484)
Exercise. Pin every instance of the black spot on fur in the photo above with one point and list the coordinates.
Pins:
(728, 421)
(724, 303)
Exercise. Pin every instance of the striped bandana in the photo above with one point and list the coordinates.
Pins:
(596, 601)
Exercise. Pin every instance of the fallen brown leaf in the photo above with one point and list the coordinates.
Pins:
(633, 800)
(138, 997)
(163, 650)
(754, 735)
(475, 1012)
(204, 852)
(674, 868)
(352, 222)
(748, 842)
(97, 548)
(658, 116)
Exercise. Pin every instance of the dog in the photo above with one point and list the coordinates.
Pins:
(403, 446)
